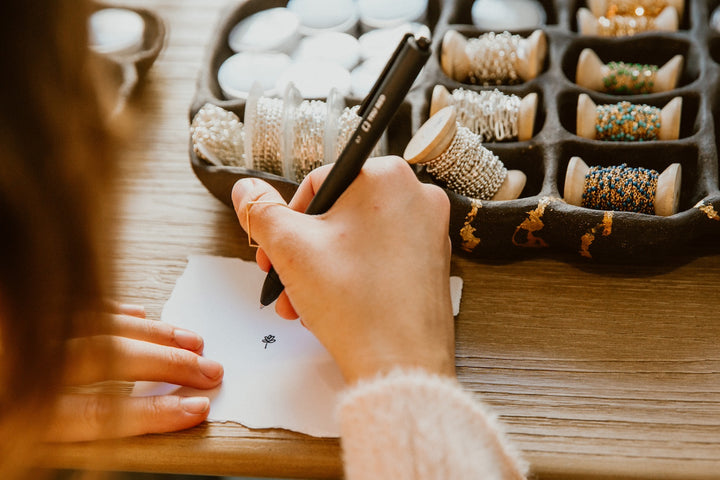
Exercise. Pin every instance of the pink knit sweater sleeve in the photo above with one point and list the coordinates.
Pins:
(412, 425)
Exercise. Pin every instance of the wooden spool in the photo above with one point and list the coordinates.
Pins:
(456, 62)
(600, 7)
(591, 71)
(667, 21)
(434, 138)
(441, 98)
(669, 118)
(667, 193)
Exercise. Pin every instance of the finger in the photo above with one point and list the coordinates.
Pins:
(284, 308)
(125, 308)
(262, 260)
(268, 220)
(133, 360)
(309, 187)
(93, 417)
(153, 331)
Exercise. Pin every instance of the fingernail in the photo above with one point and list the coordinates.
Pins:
(242, 186)
(187, 339)
(195, 405)
(209, 368)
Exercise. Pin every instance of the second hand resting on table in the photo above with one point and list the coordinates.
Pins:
(369, 277)
(138, 349)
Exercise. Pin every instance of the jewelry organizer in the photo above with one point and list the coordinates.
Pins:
(539, 219)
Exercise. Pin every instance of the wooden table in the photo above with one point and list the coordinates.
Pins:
(597, 371)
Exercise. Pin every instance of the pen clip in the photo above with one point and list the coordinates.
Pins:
(368, 100)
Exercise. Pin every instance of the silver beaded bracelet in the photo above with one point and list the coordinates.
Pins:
(468, 168)
(490, 114)
(218, 136)
(493, 58)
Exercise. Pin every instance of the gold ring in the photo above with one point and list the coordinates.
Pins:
(247, 217)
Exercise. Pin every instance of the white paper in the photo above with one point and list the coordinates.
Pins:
(285, 381)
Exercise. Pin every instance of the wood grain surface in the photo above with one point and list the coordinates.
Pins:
(597, 371)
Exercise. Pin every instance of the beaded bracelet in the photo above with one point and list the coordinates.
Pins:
(624, 25)
(218, 136)
(490, 114)
(468, 168)
(308, 137)
(493, 58)
(620, 188)
(626, 122)
(266, 146)
(651, 8)
(629, 78)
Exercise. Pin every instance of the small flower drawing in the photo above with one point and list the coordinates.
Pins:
(268, 339)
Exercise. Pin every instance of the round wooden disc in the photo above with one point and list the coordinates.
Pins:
(575, 181)
(670, 120)
(512, 187)
(433, 138)
(668, 20)
(453, 59)
(667, 193)
(440, 99)
(526, 116)
(587, 22)
(667, 76)
(586, 113)
(590, 70)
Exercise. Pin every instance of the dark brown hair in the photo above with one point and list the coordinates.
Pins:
(55, 160)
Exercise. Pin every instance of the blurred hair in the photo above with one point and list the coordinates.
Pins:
(56, 159)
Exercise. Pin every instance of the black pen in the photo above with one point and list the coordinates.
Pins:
(376, 111)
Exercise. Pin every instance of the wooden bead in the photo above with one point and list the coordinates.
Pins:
(667, 193)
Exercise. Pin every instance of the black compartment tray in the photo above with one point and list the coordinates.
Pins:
(540, 219)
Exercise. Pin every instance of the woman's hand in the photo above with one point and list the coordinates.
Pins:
(370, 277)
(137, 349)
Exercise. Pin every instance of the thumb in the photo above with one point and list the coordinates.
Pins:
(262, 212)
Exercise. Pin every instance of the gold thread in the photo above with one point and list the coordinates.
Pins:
(247, 217)
(587, 239)
(531, 224)
(708, 210)
(467, 232)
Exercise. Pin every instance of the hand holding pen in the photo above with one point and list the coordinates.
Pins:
(376, 111)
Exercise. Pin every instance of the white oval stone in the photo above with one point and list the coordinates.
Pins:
(272, 30)
(116, 31)
(238, 73)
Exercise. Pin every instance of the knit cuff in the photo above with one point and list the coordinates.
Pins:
(409, 424)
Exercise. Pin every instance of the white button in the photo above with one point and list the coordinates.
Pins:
(324, 15)
(315, 78)
(272, 30)
(381, 43)
(365, 75)
(116, 31)
(238, 73)
(336, 47)
(390, 13)
(507, 14)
